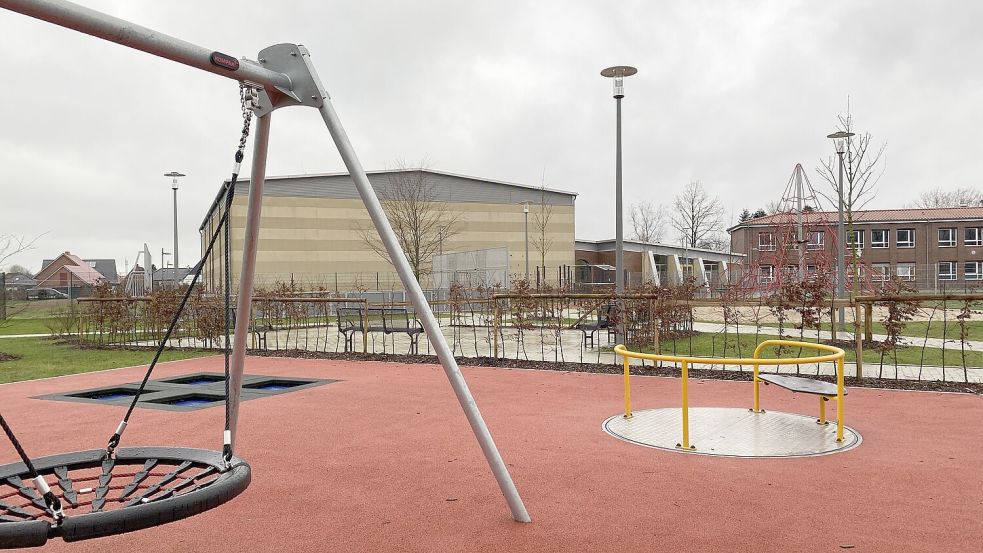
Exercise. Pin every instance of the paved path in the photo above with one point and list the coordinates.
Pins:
(568, 347)
(565, 347)
(840, 334)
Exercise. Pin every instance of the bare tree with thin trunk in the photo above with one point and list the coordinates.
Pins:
(13, 244)
(541, 222)
(773, 207)
(421, 221)
(697, 216)
(863, 167)
(648, 222)
(960, 197)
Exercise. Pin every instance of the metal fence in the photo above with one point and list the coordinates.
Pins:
(940, 339)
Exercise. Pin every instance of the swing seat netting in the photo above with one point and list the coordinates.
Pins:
(138, 488)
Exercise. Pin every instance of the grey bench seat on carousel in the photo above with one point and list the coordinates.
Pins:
(800, 384)
(825, 390)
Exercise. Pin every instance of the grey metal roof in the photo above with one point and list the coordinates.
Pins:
(168, 273)
(19, 279)
(447, 187)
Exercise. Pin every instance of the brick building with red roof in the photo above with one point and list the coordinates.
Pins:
(932, 248)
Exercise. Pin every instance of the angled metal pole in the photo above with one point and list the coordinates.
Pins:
(85, 20)
(248, 270)
(423, 311)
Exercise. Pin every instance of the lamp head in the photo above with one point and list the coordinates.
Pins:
(174, 176)
(840, 139)
(618, 73)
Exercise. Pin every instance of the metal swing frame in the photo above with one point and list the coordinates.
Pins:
(284, 76)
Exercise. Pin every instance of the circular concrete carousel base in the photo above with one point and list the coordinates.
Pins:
(732, 432)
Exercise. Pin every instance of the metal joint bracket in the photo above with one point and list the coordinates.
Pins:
(293, 61)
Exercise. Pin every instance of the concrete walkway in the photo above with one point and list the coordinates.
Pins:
(568, 346)
(840, 334)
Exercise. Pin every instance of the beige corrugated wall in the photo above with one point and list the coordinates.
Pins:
(314, 238)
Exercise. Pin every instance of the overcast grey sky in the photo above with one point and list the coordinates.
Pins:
(731, 93)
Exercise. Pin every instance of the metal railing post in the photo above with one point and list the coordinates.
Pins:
(627, 388)
(839, 400)
(685, 409)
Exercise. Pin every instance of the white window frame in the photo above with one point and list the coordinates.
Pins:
(978, 241)
(949, 276)
(859, 239)
(886, 243)
(905, 271)
(819, 244)
(910, 243)
(770, 277)
(880, 271)
(951, 241)
(770, 247)
(973, 270)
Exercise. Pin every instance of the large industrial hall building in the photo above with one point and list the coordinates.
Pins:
(312, 229)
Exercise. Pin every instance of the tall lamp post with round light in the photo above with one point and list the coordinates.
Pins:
(618, 73)
(174, 177)
(840, 141)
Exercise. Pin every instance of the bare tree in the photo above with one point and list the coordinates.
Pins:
(959, 197)
(863, 167)
(648, 222)
(541, 221)
(697, 216)
(773, 207)
(422, 222)
(13, 244)
(20, 269)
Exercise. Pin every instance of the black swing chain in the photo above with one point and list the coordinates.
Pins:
(248, 99)
(51, 501)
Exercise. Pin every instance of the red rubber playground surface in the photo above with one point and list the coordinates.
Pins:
(384, 461)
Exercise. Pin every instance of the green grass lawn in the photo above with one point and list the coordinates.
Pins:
(32, 317)
(44, 357)
(713, 345)
(917, 329)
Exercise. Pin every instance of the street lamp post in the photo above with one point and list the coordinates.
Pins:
(618, 73)
(174, 177)
(525, 212)
(839, 141)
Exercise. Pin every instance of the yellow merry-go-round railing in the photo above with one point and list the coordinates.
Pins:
(836, 355)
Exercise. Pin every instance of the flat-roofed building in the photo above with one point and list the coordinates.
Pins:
(653, 262)
(311, 227)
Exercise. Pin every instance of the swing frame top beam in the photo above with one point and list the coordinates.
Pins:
(296, 83)
(104, 26)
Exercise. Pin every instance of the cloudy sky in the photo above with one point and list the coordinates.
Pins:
(733, 94)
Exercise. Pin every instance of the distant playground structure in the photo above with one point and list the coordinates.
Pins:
(739, 432)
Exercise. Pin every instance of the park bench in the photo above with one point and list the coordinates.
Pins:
(602, 321)
(387, 320)
(825, 390)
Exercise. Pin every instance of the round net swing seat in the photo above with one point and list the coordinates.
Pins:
(139, 488)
